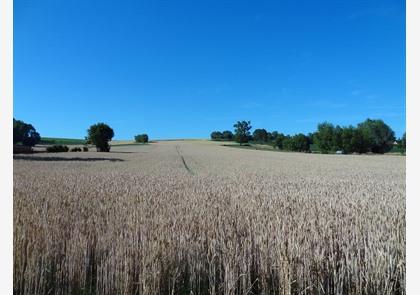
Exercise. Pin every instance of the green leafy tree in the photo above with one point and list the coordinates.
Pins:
(338, 138)
(287, 143)
(324, 137)
(141, 138)
(216, 135)
(380, 137)
(25, 134)
(279, 141)
(100, 134)
(18, 131)
(242, 133)
(87, 140)
(260, 135)
(360, 141)
(346, 140)
(297, 143)
(227, 135)
(311, 138)
(57, 149)
(300, 143)
(402, 143)
(274, 135)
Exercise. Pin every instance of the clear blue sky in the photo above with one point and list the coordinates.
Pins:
(181, 69)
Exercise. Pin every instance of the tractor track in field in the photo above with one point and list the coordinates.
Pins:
(183, 160)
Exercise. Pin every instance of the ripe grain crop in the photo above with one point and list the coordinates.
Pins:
(136, 221)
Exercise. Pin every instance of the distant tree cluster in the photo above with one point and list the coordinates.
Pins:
(260, 135)
(225, 135)
(141, 138)
(401, 143)
(242, 134)
(263, 136)
(58, 149)
(296, 143)
(25, 134)
(76, 149)
(369, 136)
(64, 149)
(100, 134)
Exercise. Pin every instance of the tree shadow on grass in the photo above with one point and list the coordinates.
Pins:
(35, 158)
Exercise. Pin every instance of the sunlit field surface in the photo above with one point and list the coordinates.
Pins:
(199, 218)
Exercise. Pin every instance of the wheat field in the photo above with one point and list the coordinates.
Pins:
(199, 218)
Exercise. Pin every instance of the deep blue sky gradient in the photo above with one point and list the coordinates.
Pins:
(181, 69)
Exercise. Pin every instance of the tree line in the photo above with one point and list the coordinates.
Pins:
(99, 134)
(369, 136)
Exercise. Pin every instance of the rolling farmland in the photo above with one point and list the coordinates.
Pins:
(184, 217)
